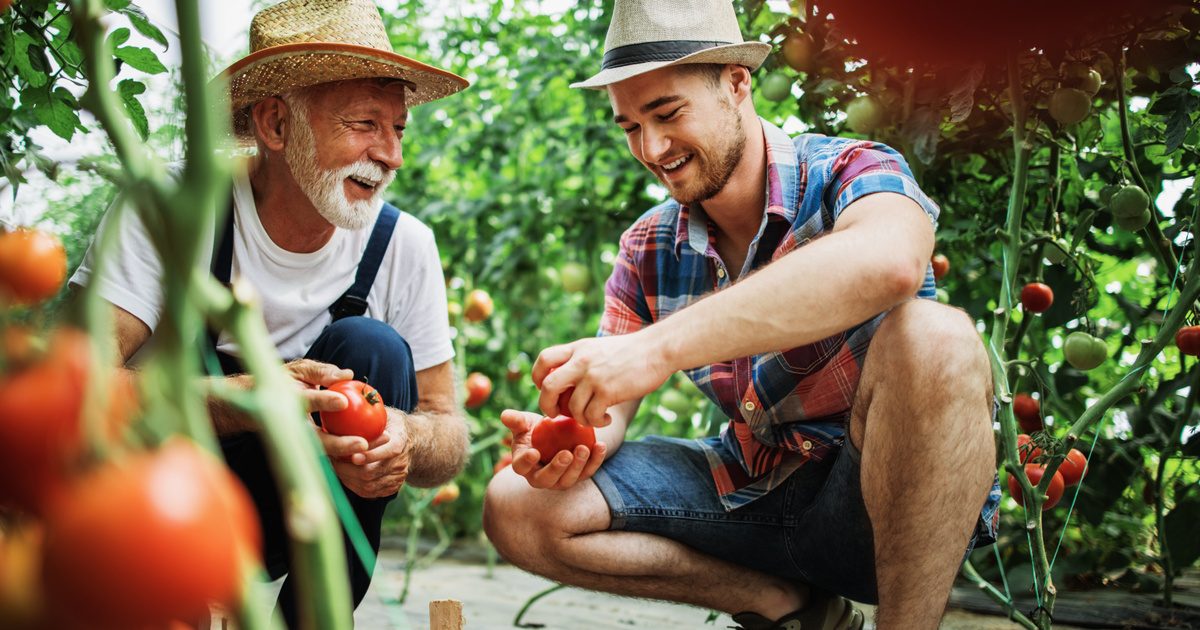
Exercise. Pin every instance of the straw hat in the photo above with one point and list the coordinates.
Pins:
(298, 43)
(647, 35)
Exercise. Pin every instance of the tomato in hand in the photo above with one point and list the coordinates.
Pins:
(149, 539)
(1028, 412)
(941, 266)
(1034, 473)
(364, 416)
(1188, 340)
(1073, 467)
(1036, 297)
(33, 265)
(561, 433)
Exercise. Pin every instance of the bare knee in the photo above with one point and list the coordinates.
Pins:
(528, 526)
(506, 517)
(935, 343)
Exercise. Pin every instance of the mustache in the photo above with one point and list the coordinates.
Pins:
(369, 170)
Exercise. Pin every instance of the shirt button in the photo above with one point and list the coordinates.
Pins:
(749, 405)
(807, 445)
(720, 272)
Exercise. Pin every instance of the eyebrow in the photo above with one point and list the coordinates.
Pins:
(651, 106)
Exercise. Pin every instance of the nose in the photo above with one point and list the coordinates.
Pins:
(387, 150)
(655, 144)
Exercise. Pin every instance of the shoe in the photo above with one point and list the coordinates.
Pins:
(825, 611)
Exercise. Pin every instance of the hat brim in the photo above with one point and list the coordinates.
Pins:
(749, 54)
(280, 69)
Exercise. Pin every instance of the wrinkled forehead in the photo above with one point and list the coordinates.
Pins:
(383, 91)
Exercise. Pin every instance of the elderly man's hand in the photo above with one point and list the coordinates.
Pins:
(377, 469)
(311, 376)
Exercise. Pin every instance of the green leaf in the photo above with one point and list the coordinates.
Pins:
(962, 97)
(143, 59)
(59, 117)
(128, 90)
(1181, 536)
(1179, 121)
(118, 37)
(21, 58)
(142, 23)
(116, 5)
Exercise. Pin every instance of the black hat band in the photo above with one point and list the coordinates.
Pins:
(654, 51)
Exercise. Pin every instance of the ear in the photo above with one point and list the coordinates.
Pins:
(737, 82)
(270, 117)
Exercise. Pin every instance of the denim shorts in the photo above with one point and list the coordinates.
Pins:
(814, 528)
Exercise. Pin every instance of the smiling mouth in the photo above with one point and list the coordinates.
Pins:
(676, 164)
(364, 184)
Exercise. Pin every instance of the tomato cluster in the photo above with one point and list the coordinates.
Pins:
(1070, 472)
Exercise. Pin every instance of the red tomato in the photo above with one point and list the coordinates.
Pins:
(561, 433)
(33, 265)
(152, 538)
(940, 264)
(365, 416)
(479, 306)
(1036, 297)
(1034, 473)
(447, 494)
(1028, 412)
(1073, 467)
(1188, 340)
(479, 389)
(505, 460)
(1026, 451)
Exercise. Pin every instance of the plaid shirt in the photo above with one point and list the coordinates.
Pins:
(784, 408)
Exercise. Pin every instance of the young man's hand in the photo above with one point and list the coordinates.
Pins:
(564, 471)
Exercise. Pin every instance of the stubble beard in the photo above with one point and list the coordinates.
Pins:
(715, 174)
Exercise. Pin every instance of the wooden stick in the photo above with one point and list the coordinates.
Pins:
(445, 614)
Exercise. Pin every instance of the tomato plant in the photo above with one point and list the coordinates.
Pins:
(1036, 297)
(365, 414)
(1028, 412)
(561, 433)
(33, 265)
(173, 525)
(1187, 339)
(1034, 472)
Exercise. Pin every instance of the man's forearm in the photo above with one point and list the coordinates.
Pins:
(227, 418)
(438, 444)
(821, 289)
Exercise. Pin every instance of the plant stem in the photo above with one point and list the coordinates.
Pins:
(1160, 521)
(530, 602)
(969, 571)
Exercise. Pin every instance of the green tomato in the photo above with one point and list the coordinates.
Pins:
(575, 277)
(1133, 223)
(1070, 105)
(1107, 193)
(864, 115)
(776, 86)
(1083, 351)
(943, 296)
(1082, 76)
(1129, 201)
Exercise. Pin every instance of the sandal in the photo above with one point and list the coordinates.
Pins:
(825, 611)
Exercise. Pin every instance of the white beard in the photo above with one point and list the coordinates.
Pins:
(325, 187)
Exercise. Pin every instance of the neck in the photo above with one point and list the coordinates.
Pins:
(286, 213)
(738, 208)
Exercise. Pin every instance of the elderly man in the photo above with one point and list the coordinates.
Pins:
(784, 278)
(350, 286)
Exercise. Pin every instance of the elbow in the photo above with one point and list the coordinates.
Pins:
(901, 280)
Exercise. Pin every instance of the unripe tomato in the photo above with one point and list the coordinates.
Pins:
(1133, 223)
(776, 86)
(1070, 105)
(33, 265)
(1187, 339)
(940, 264)
(1129, 201)
(1073, 467)
(1028, 412)
(1034, 473)
(1036, 297)
(479, 388)
(479, 306)
(149, 539)
(798, 51)
(562, 433)
(1106, 194)
(1083, 351)
(364, 416)
(1082, 76)
(575, 277)
(864, 115)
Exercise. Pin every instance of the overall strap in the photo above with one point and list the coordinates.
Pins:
(354, 301)
(222, 264)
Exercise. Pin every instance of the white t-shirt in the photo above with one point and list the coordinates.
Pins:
(296, 290)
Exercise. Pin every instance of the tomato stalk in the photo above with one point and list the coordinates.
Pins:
(1160, 522)
(1005, 601)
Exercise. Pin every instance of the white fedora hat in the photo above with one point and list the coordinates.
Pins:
(299, 43)
(647, 35)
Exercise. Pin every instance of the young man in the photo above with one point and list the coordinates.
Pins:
(784, 277)
(349, 285)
